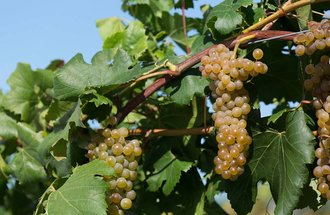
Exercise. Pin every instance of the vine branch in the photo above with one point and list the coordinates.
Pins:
(281, 12)
(172, 132)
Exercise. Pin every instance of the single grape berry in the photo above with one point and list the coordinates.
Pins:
(257, 54)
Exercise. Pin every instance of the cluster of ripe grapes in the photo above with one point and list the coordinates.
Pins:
(231, 105)
(318, 84)
(317, 38)
(122, 155)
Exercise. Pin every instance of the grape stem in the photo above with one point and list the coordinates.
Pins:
(238, 43)
(282, 12)
(183, 8)
(171, 132)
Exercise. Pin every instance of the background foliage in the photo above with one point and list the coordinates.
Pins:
(46, 118)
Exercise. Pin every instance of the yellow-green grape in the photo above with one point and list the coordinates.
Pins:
(257, 54)
(231, 106)
(126, 203)
(131, 195)
(317, 38)
(300, 50)
(318, 85)
(122, 155)
(106, 132)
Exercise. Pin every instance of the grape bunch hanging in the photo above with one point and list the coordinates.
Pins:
(318, 84)
(122, 155)
(231, 105)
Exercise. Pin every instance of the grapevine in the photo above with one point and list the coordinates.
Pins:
(68, 132)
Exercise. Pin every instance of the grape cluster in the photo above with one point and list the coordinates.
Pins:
(231, 106)
(317, 38)
(319, 86)
(122, 155)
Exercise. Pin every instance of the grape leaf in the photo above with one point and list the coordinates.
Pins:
(99, 100)
(57, 109)
(282, 79)
(83, 192)
(305, 15)
(8, 127)
(188, 4)
(199, 44)
(57, 155)
(183, 89)
(281, 158)
(26, 167)
(132, 39)
(77, 76)
(25, 87)
(225, 17)
(309, 198)
(275, 116)
(241, 193)
(172, 25)
(109, 26)
(161, 5)
(28, 136)
(168, 168)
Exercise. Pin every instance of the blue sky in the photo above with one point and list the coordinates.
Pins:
(37, 31)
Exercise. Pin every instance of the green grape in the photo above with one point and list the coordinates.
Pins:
(121, 182)
(131, 195)
(106, 132)
(126, 203)
(300, 50)
(258, 54)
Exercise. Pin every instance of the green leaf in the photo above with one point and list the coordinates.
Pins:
(304, 16)
(168, 168)
(83, 192)
(183, 89)
(200, 44)
(281, 158)
(161, 5)
(309, 198)
(8, 127)
(282, 79)
(109, 26)
(57, 109)
(188, 4)
(275, 116)
(26, 167)
(172, 24)
(99, 100)
(212, 190)
(258, 14)
(77, 76)
(132, 39)
(200, 206)
(27, 135)
(26, 86)
(225, 17)
(241, 193)
(53, 149)
(135, 40)
(22, 98)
